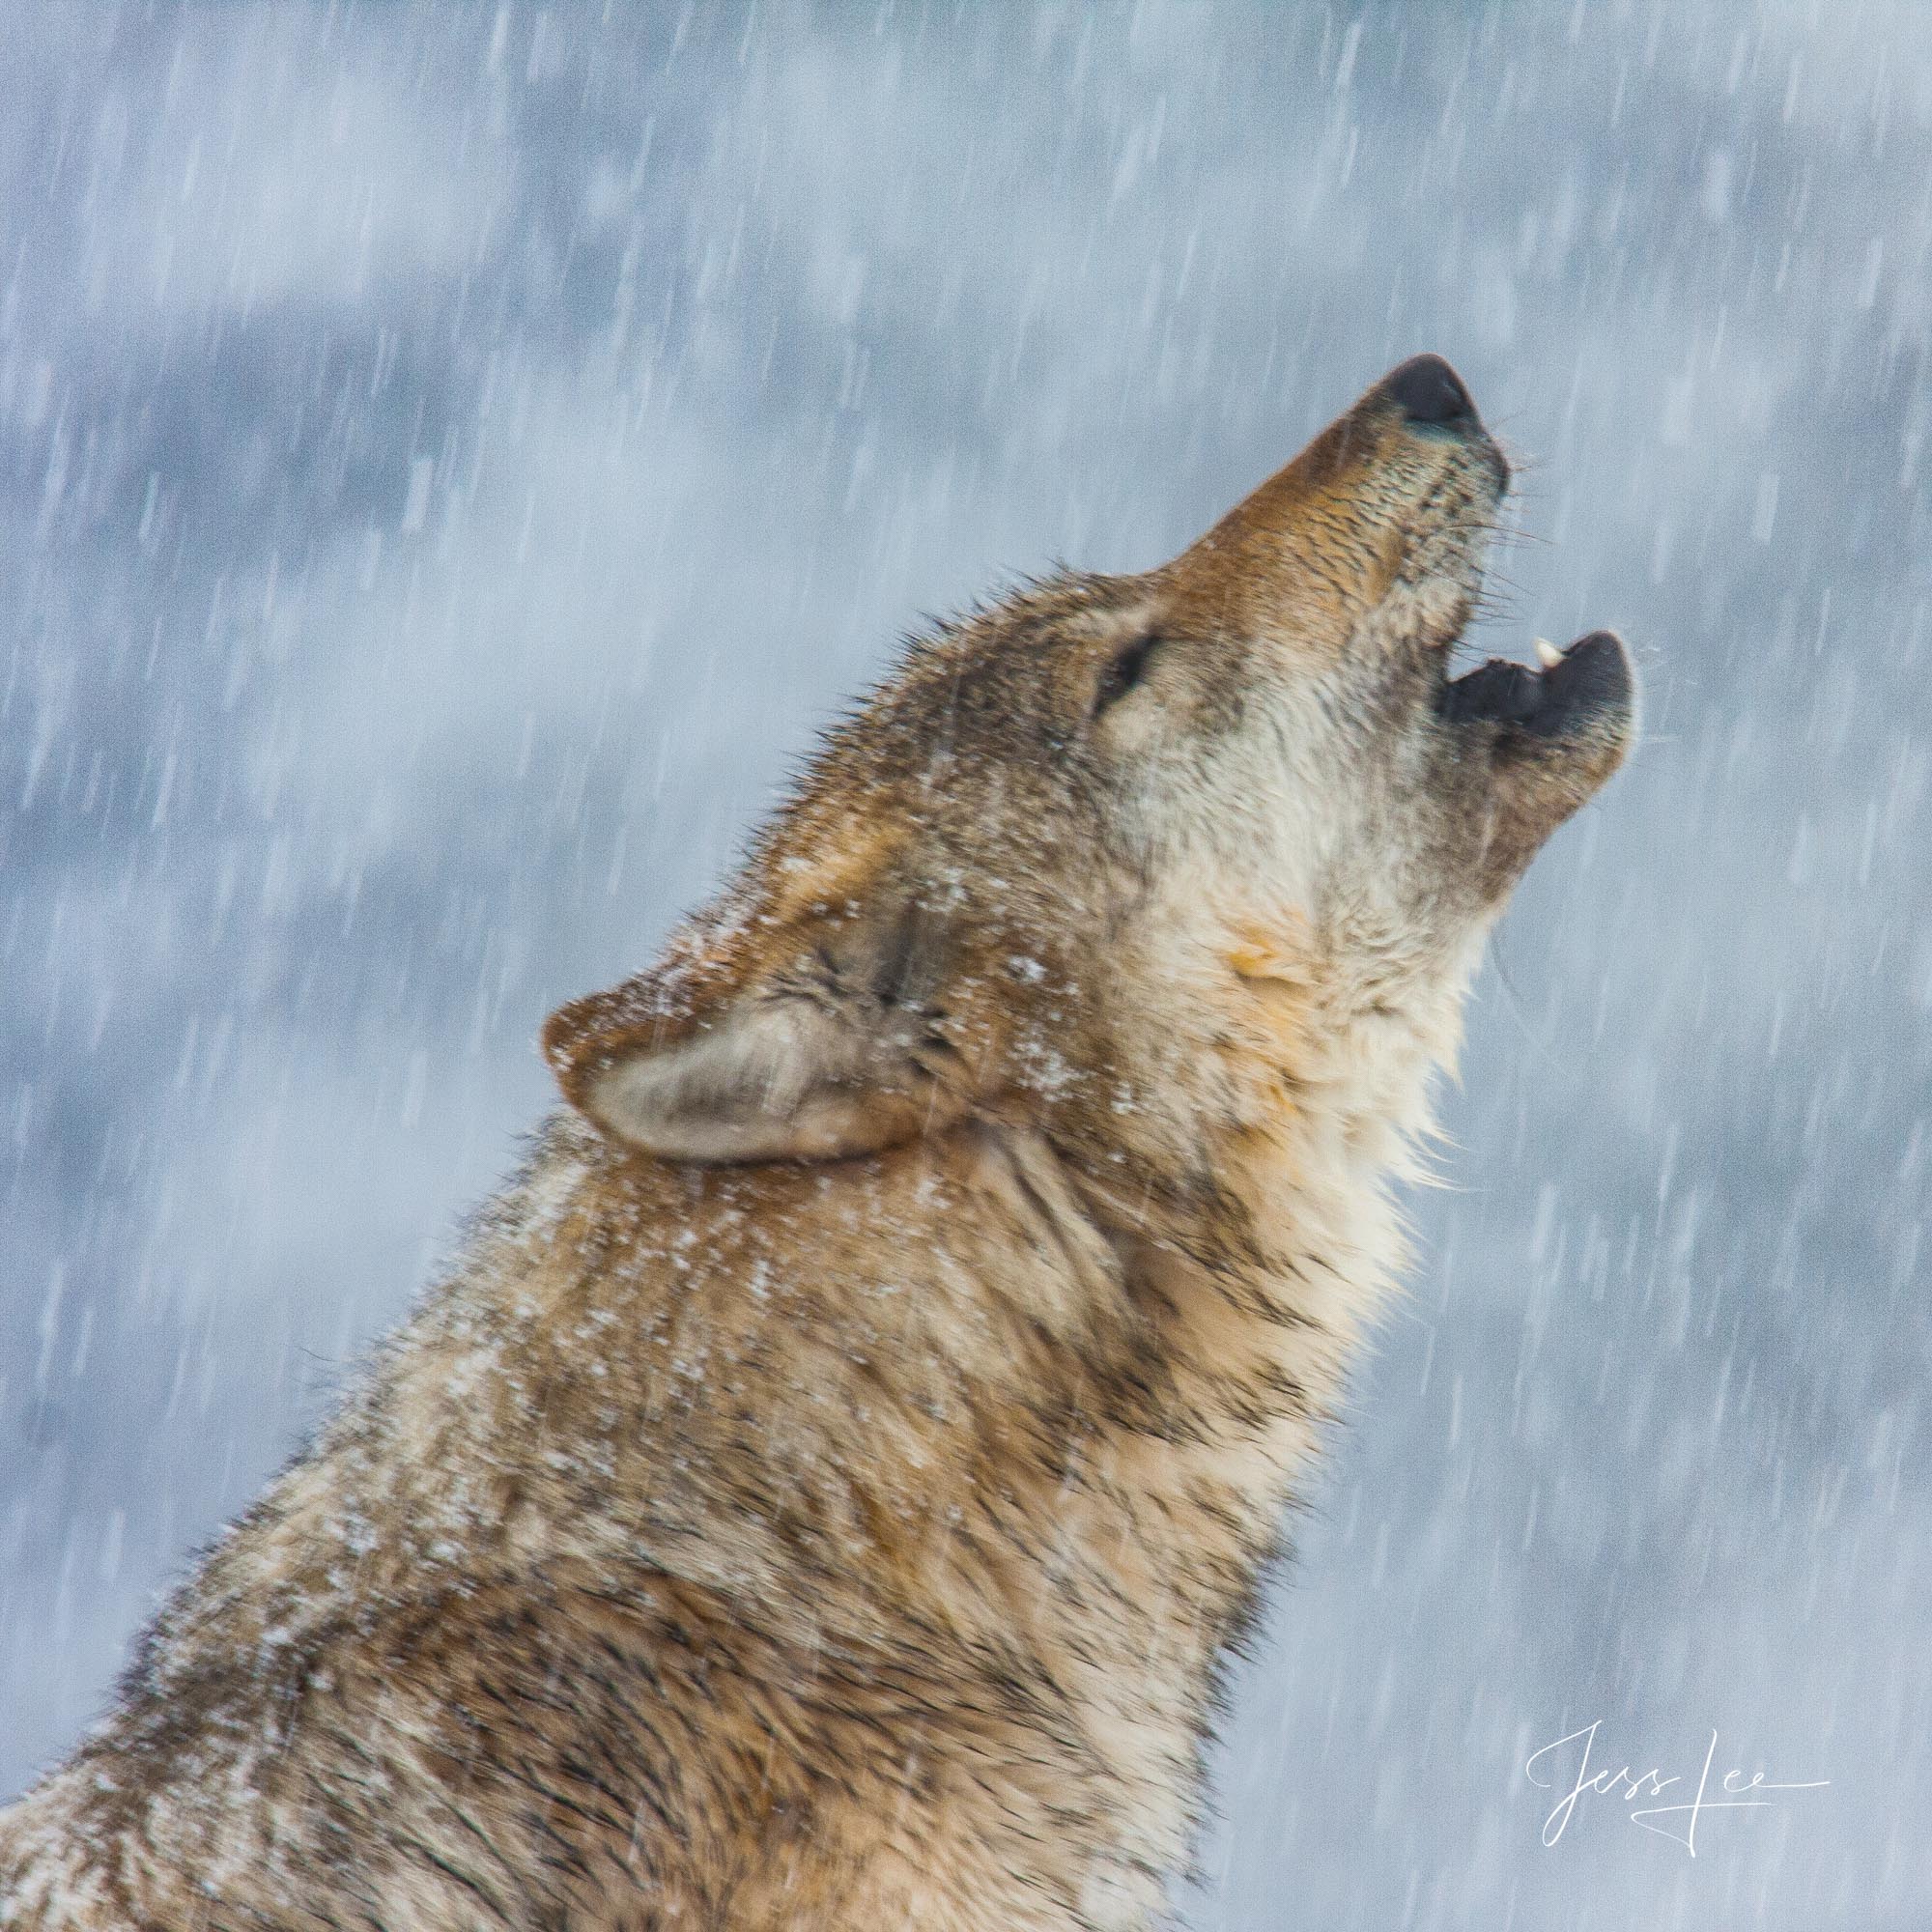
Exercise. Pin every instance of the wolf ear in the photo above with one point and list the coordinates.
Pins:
(832, 1041)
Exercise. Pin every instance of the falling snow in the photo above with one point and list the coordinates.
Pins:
(451, 459)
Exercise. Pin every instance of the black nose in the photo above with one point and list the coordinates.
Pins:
(1430, 392)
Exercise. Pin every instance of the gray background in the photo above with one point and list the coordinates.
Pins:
(451, 459)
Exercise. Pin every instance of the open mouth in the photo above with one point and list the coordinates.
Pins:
(1570, 691)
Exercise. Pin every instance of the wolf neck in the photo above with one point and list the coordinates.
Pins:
(1254, 1276)
(1152, 1309)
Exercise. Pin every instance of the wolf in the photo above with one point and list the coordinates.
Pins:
(826, 1491)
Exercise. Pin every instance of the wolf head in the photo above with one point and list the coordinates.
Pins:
(1084, 854)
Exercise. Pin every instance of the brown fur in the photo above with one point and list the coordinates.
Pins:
(825, 1491)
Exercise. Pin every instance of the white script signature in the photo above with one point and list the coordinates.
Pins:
(1734, 1792)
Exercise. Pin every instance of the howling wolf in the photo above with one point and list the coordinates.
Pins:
(824, 1492)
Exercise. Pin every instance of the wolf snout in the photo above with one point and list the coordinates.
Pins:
(1430, 392)
(1432, 399)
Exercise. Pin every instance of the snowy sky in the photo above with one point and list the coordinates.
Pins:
(452, 458)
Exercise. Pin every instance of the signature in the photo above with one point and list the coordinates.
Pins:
(1735, 1792)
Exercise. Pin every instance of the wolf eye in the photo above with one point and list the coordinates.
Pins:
(1129, 668)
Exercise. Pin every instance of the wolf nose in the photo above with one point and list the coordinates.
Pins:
(1428, 391)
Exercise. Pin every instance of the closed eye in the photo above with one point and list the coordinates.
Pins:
(1127, 668)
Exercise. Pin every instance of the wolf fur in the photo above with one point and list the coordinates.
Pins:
(827, 1486)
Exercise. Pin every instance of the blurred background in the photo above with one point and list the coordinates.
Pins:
(453, 458)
